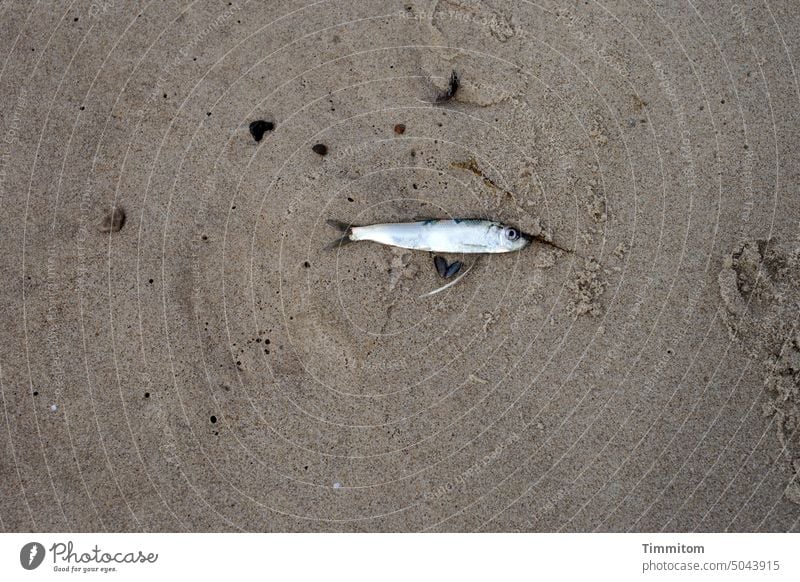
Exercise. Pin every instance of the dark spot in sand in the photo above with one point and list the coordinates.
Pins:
(259, 128)
(213, 419)
(400, 129)
(320, 148)
(147, 395)
(114, 220)
(306, 264)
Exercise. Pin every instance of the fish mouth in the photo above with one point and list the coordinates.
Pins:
(526, 237)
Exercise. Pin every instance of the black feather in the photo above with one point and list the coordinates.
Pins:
(441, 266)
(452, 86)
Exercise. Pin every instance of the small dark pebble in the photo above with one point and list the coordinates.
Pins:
(320, 148)
(400, 129)
(147, 395)
(213, 420)
(259, 128)
(113, 221)
(306, 264)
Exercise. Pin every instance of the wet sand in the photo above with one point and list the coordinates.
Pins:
(178, 352)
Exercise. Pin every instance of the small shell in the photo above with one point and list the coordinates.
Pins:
(454, 268)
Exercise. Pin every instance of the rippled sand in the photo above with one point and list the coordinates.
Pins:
(179, 352)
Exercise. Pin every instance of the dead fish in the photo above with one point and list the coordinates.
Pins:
(438, 236)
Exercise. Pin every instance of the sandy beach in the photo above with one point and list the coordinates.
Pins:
(179, 351)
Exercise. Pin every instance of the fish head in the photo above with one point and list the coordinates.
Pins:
(510, 238)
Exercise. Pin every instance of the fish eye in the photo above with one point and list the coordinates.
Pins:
(512, 234)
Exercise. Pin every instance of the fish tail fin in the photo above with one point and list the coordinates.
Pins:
(342, 227)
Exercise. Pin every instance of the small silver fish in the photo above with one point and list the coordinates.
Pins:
(438, 236)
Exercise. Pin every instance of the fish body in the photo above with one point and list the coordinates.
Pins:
(439, 236)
